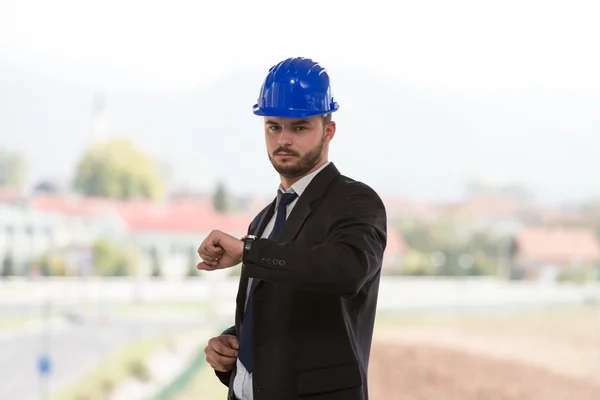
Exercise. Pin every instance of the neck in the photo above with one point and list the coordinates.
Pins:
(287, 182)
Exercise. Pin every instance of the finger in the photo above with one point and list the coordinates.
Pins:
(206, 266)
(219, 362)
(213, 262)
(231, 341)
(224, 349)
(215, 365)
(211, 255)
(214, 251)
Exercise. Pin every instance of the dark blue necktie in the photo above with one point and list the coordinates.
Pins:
(245, 349)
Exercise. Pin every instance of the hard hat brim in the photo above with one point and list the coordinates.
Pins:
(292, 113)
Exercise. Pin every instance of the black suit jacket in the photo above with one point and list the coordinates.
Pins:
(314, 308)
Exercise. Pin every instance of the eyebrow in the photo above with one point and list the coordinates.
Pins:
(296, 123)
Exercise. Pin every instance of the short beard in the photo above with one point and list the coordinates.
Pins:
(303, 165)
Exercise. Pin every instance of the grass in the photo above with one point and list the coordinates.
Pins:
(205, 385)
(112, 370)
(12, 322)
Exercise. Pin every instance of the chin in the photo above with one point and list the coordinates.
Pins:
(290, 171)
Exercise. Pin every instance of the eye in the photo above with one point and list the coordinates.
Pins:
(273, 128)
(300, 128)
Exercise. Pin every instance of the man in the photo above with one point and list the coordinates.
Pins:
(311, 261)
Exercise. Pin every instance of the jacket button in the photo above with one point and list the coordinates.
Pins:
(262, 260)
(275, 261)
(281, 263)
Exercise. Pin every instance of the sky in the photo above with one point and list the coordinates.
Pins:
(473, 50)
(469, 47)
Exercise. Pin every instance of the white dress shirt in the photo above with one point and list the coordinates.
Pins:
(242, 384)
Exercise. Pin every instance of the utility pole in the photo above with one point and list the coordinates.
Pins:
(44, 363)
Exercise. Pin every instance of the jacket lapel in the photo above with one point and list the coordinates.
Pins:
(264, 219)
(303, 208)
(256, 228)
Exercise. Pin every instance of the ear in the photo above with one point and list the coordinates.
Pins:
(330, 129)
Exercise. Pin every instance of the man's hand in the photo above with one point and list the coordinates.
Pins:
(220, 250)
(221, 352)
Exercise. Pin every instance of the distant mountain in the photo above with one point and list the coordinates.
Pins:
(402, 140)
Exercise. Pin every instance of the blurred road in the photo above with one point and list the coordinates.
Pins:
(75, 348)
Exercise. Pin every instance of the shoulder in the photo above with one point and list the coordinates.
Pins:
(346, 187)
(353, 204)
(350, 198)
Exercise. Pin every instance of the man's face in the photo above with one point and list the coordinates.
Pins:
(295, 146)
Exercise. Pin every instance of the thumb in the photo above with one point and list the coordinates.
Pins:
(231, 341)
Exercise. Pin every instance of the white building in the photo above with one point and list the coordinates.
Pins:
(70, 226)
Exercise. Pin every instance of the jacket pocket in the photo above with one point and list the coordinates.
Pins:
(329, 379)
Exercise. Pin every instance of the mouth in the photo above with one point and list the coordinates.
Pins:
(283, 155)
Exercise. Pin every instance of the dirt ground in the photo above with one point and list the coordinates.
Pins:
(552, 356)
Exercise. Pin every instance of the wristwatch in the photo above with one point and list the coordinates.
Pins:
(248, 240)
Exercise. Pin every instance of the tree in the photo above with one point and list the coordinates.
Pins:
(116, 168)
(417, 264)
(46, 186)
(13, 169)
(51, 264)
(483, 265)
(110, 259)
(193, 263)
(8, 266)
(154, 259)
(221, 199)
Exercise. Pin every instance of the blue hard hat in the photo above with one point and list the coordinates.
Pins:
(296, 88)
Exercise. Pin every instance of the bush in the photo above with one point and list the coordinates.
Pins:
(139, 370)
(582, 274)
(483, 265)
(417, 264)
(7, 266)
(111, 259)
(51, 264)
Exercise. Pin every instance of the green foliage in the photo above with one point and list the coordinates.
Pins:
(582, 274)
(221, 198)
(139, 370)
(483, 265)
(446, 237)
(110, 259)
(431, 237)
(13, 169)
(118, 169)
(451, 266)
(417, 264)
(8, 267)
(51, 264)
(155, 260)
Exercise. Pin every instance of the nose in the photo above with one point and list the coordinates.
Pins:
(285, 138)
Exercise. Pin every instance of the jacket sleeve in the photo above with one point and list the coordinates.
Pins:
(350, 256)
(225, 377)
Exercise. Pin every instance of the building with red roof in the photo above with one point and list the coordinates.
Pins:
(167, 233)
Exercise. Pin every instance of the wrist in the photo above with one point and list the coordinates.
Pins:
(247, 242)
